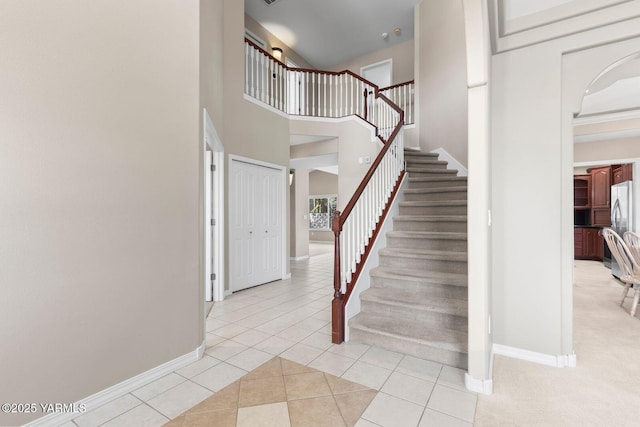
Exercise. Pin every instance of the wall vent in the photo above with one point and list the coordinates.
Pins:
(270, 2)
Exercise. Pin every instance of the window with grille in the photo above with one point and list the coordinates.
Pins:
(321, 209)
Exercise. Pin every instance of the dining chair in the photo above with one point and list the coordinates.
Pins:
(629, 267)
(633, 243)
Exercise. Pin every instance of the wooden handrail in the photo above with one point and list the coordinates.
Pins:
(382, 89)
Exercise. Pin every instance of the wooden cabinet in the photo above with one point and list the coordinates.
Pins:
(601, 187)
(588, 243)
(582, 191)
(621, 173)
(601, 196)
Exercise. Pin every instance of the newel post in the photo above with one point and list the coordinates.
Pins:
(337, 306)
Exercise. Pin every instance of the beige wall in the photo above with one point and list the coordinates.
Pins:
(99, 194)
(441, 78)
(314, 149)
(322, 183)
(402, 56)
(249, 130)
(627, 148)
(300, 209)
(273, 41)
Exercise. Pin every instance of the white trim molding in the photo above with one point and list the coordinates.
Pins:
(118, 390)
(453, 163)
(478, 386)
(299, 258)
(556, 361)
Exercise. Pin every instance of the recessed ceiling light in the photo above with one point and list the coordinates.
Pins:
(385, 35)
(397, 31)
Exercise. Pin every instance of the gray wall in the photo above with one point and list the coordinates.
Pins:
(99, 194)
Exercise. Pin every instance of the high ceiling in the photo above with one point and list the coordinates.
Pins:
(330, 32)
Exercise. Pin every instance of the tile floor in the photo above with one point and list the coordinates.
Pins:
(291, 319)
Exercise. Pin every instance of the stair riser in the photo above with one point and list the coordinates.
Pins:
(422, 264)
(421, 289)
(442, 226)
(423, 351)
(436, 183)
(432, 244)
(433, 197)
(433, 210)
(431, 319)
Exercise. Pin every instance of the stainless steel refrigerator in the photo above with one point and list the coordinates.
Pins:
(621, 214)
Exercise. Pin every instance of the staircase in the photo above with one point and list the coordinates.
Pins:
(417, 302)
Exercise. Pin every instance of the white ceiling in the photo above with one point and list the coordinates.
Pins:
(330, 32)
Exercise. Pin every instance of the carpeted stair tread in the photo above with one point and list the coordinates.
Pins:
(413, 275)
(434, 203)
(429, 190)
(411, 331)
(409, 301)
(441, 235)
(434, 218)
(461, 179)
(412, 152)
(424, 254)
(421, 161)
(411, 169)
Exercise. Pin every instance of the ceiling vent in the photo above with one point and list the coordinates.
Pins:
(270, 2)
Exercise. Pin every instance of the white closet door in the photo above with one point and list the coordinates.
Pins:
(256, 210)
(270, 220)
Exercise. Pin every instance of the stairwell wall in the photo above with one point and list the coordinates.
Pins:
(441, 77)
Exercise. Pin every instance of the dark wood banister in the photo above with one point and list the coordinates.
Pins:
(339, 218)
(382, 89)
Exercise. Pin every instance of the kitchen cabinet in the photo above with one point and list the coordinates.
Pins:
(621, 173)
(582, 191)
(588, 243)
(601, 196)
(601, 187)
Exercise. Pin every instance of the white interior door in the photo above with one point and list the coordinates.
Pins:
(256, 206)
(379, 73)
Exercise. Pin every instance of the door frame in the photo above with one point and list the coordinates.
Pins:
(284, 181)
(213, 144)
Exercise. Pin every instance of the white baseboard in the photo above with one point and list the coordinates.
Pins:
(299, 258)
(286, 276)
(453, 163)
(127, 386)
(478, 386)
(556, 361)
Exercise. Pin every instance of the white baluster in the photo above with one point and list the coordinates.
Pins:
(313, 94)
